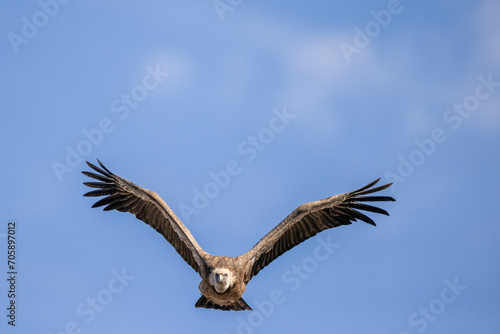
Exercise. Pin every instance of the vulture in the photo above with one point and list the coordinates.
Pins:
(223, 278)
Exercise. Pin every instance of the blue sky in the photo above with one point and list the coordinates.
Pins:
(300, 101)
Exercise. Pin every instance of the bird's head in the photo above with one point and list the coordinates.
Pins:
(221, 279)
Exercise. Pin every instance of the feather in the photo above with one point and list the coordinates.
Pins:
(97, 169)
(99, 184)
(372, 199)
(96, 176)
(373, 190)
(312, 218)
(366, 207)
(100, 192)
(124, 196)
(108, 200)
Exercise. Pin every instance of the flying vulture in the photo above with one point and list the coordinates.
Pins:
(223, 278)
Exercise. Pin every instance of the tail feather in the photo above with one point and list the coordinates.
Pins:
(239, 305)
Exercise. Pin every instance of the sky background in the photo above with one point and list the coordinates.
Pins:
(168, 93)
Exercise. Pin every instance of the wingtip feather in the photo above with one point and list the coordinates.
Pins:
(100, 170)
(104, 167)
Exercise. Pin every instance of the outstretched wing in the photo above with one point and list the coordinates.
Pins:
(308, 220)
(124, 196)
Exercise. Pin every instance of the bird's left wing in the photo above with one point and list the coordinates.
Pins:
(308, 220)
(125, 196)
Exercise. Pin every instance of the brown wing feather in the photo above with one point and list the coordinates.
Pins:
(125, 196)
(308, 220)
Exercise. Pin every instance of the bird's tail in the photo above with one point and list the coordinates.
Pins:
(239, 305)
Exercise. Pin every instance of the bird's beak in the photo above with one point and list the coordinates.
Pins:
(218, 278)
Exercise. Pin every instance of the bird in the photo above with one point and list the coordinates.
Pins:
(223, 278)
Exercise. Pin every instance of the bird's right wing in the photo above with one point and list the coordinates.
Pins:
(124, 196)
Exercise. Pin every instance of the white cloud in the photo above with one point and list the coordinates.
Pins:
(488, 61)
(179, 66)
(488, 24)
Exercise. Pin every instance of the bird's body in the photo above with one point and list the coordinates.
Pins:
(224, 279)
(230, 298)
